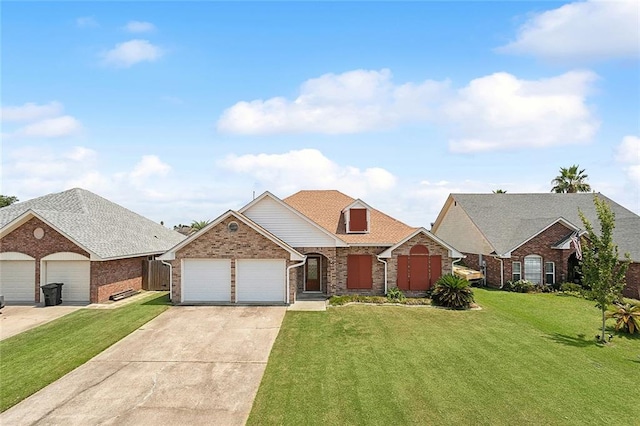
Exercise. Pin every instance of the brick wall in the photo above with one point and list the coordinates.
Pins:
(632, 289)
(220, 243)
(22, 240)
(112, 276)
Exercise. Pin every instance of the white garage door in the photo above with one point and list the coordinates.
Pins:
(18, 280)
(206, 280)
(260, 280)
(74, 274)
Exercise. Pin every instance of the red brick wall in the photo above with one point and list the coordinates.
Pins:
(112, 276)
(22, 240)
(632, 289)
(220, 243)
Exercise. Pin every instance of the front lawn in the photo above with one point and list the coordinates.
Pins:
(31, 360)
(522, 359)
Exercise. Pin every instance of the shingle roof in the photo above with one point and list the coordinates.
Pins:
(99, 225)
(325, 208)
(507, 220)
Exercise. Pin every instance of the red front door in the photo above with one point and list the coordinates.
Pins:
(312, 272)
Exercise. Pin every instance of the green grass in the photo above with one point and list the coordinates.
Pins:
(31, 360)
(522, 359)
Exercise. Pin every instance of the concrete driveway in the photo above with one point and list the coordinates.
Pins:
(15, 319)
(190, 365)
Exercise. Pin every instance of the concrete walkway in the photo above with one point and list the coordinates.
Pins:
(308, 305)
(190, 365)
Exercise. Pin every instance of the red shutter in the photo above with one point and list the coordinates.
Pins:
(357, 220)
(359, 274)
(418, 272)
(436, 269)
(403, 272)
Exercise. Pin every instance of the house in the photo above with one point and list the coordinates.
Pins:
(318, 242)
(528, 236)
(91, 245)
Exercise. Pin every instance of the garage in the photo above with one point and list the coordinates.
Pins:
(206, 280)
(261, 280)
(71, 269)
(17, 277)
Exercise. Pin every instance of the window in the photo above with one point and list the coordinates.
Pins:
(358, 220)
(533, 269)
(549, 273)
(516, 271)
(359, 275)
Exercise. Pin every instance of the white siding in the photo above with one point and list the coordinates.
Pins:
(74, 274)
(287, 225)
(18, 280)
(206, 280)
(260, 280)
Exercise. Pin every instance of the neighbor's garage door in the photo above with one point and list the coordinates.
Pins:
(17, 280)
(74, 274)
(206, 280)
(260, 280)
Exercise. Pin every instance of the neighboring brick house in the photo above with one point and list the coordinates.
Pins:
(513, 236)
(91, 245)
(318, 242)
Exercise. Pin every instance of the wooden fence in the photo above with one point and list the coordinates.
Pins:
(155, 275)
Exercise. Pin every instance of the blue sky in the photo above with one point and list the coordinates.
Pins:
(180, 111)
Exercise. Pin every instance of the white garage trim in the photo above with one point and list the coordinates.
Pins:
(18, 279)
(74, 274)
(14, 255)
(65, 255)
(205, 280)
(261, 280)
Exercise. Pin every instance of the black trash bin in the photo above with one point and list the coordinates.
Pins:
(49, 291)
(58, 293)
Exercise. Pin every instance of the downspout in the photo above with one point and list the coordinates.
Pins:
(170, 278)
(501, 272)
(385, 273)
(289, 268)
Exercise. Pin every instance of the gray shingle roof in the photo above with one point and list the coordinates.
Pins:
(508, 220)
(99, 225)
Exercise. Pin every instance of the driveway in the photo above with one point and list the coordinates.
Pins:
(190, 365)
(15, 319)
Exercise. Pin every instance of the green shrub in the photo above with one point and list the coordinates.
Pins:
(416, 301)
(571, 288)
(395, 295)
(452, 292)
(627, 317)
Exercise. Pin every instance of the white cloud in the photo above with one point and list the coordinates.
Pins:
(500, 111)
(308, 169)
(591, 30)
(139, 27)
(57, 127)
(352, 102)
(31, 111)
(628, 155)
(87, 22)
(80, 153)
(150, 165)
(131, 52)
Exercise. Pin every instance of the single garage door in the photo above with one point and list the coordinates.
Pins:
(74, 274)
(206, 280)
(260, 280)
(18, 280)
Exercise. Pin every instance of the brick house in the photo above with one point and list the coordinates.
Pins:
(528, 236)
(93, 246)
(318, 242)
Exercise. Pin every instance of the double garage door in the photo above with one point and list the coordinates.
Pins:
(18, 279)
(257, 280)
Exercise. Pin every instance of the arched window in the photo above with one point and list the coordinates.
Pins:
(533, 268)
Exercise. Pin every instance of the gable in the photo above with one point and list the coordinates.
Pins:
(456, 227)
(287, 225)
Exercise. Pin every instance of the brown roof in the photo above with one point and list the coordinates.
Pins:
(325, 208)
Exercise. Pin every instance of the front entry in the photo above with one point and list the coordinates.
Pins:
(312, 273)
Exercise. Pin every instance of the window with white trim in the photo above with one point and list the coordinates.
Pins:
(533, 268)
(516, 271)
(549, 273)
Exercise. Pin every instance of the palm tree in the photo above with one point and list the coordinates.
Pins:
(197, 225)
(570, 180)
(500, 191)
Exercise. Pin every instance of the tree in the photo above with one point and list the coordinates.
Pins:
(499, 191)
(198, 225)
(570, 180)
(601, 268)
(7, 200)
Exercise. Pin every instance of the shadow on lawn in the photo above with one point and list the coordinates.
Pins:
(160, 300)
(578, 341)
